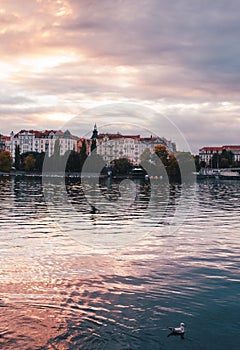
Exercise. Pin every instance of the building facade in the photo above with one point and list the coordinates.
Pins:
(114, 146)
(206, 153)
(42, 141)
(4, 143)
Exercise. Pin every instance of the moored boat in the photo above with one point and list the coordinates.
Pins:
(229, 175)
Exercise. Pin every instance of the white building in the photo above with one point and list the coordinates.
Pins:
(42, 141)
(206, 153)
(114, 146)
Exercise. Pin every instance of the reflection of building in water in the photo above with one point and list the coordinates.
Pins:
(114, 146)
(42, 141)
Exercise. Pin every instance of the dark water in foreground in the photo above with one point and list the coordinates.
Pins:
(58, 294)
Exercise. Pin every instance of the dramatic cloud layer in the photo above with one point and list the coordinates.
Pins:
(179, 57)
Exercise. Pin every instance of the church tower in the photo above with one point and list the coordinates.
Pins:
(94, 138)
(95, 132)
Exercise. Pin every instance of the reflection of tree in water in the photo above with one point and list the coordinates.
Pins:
(76, 194)
(28, 190)
(111, 190)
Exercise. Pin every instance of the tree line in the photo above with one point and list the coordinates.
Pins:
(160, 163)
(175, 167)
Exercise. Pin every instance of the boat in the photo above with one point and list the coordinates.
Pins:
(138, 172)
(207, 173)
(218, 174)
(228, 175)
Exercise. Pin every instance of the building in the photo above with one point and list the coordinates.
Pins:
(235, 150)
(114, 146)
(206, 153)
(42, 141)
(4, 143)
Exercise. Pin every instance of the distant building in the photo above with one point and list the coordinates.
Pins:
(42, 141)
(4, 143)
(206, 153)
(113, 146)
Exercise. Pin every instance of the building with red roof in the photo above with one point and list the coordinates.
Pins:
(4, 143)
(206, 153)
(111, 146)
(42, 141)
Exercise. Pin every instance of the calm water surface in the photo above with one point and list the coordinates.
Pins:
(56, 293)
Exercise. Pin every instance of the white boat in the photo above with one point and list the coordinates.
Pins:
(228, 175)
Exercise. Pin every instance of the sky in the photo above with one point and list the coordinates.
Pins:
(178, 58)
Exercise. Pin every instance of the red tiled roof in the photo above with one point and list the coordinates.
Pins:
(231, 147)
(39, 134)
(218, 148)
(7, 138)
(149, 139)
(118, 136)
(110, 136)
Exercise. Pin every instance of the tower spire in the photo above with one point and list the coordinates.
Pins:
(95, 132)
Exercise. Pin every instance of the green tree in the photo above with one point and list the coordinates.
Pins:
(17, 158)
(73, 162)
(93, 144)
(29, 162)
(173, 170)
(122, 166)
(215, 162)
(224, 163)
(186, 165)
(226, 159)
(83, 153)
(94, 163)
(197, 162)
(202, 164)
(5, 161)
(39, 161)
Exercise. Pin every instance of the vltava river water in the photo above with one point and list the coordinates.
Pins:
(60, 290)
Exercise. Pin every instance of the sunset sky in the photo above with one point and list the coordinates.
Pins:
(179, 57)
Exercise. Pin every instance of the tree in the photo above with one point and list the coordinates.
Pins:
(29, 162)
(94, 163)
(162, 153)
(73, 162)
(173, 170)
(5, 161)
(83, 153)
(39, 161)
(224, 163)
(202, 164)
(93, 145)
(121, 166)
(227, 158)
(197, 162)
(215, 162)
(186, 165)
(17, 158)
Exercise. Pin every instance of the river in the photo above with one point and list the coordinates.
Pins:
(113, 270)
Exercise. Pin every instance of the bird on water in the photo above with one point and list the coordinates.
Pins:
(177, 330)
